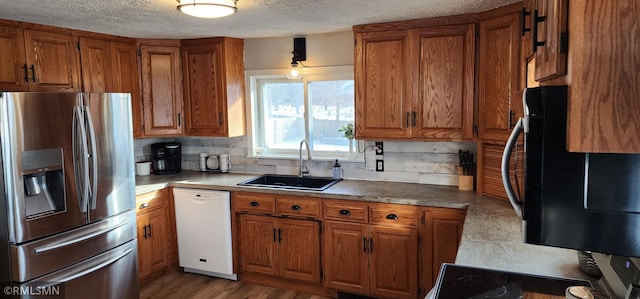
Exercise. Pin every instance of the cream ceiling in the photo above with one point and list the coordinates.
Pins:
(255, 18)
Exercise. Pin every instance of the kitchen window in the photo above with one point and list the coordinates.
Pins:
(285, 111)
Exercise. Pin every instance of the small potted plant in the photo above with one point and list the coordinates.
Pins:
(347, 131)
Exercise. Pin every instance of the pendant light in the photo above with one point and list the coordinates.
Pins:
(208, 8)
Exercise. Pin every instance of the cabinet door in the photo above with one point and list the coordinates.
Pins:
(604, 94)
(125, 79)
(445, 84)
(394, 262)
(258, 238)
(53, 61)
(204, 103)
(441, 233)
(161, 90)
(498, 76)
(152, 242)
(13, 70)
(489, 169)
(345, 257)
(95, 58)
(551, 59)
(299, 252)
(383, 80)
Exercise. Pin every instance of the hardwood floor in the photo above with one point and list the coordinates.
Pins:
(176, 284)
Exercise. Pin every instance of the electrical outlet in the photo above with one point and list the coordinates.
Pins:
(379, 148)
(379, 165)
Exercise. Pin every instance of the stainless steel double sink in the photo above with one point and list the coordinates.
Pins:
(291, 182)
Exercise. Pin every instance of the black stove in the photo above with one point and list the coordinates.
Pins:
(462, 282)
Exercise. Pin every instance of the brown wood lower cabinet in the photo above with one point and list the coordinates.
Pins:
(288, 248)
(346, 259)
(152, 245)
(156, 237)
(325, 246)
(394, 261)
(380, 260)
(441, 232)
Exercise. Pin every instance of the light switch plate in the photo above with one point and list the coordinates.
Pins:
(379, 165)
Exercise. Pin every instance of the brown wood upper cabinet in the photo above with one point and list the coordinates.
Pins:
(161, 90)
(213, 81)
(38, 61)
(397, 98)
(112, 66)
(604, 88)
(383, 75)
(499, 95)
(547, 37)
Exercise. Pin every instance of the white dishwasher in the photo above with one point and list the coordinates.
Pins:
(203, 223)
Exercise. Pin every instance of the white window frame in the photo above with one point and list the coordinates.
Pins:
(252, 78)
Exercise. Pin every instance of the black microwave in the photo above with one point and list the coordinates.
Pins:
(585, 201)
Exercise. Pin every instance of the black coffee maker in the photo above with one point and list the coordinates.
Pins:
(166, 157)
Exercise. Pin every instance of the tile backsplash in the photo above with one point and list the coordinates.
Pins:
(413, 162)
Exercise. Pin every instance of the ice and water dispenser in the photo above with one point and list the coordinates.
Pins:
(42, 173)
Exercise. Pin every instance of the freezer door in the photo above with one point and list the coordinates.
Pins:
(37, 134)
(112, 274)
(37, 258)
(111, 162)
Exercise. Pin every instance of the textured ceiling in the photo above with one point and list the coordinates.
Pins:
(255, 18)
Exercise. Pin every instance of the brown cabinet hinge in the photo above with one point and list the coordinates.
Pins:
(139, 53)
(423, 219)
(78, 45)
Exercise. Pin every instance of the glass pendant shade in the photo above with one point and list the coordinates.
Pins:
(208, 8)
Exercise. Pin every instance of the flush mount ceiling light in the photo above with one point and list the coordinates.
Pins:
(299, 54)
(208, 8)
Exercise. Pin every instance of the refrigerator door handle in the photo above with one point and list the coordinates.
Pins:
(82, 270)
(94, 161)
(72, 239)
(80, 163)
(506, 156)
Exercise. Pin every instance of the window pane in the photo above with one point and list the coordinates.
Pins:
(282, 115)
(331, 105)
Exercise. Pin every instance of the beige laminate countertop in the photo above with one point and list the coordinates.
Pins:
(491, 238)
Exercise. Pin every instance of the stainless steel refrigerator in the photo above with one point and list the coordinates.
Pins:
(67, 206)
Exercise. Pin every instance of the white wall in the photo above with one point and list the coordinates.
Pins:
(329, 49)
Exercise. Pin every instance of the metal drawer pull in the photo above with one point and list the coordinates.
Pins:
(275, 238)
(26, 73)
(392, 217)
(144, 205)
(254, 204)
(364, 244)
(345, 212)
(296, 207)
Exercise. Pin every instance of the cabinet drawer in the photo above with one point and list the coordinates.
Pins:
(254, 202)
(404, 215)
(346, 211)
(298, 207)
(152, 200)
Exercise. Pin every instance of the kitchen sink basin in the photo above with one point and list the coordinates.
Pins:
(291, 182)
